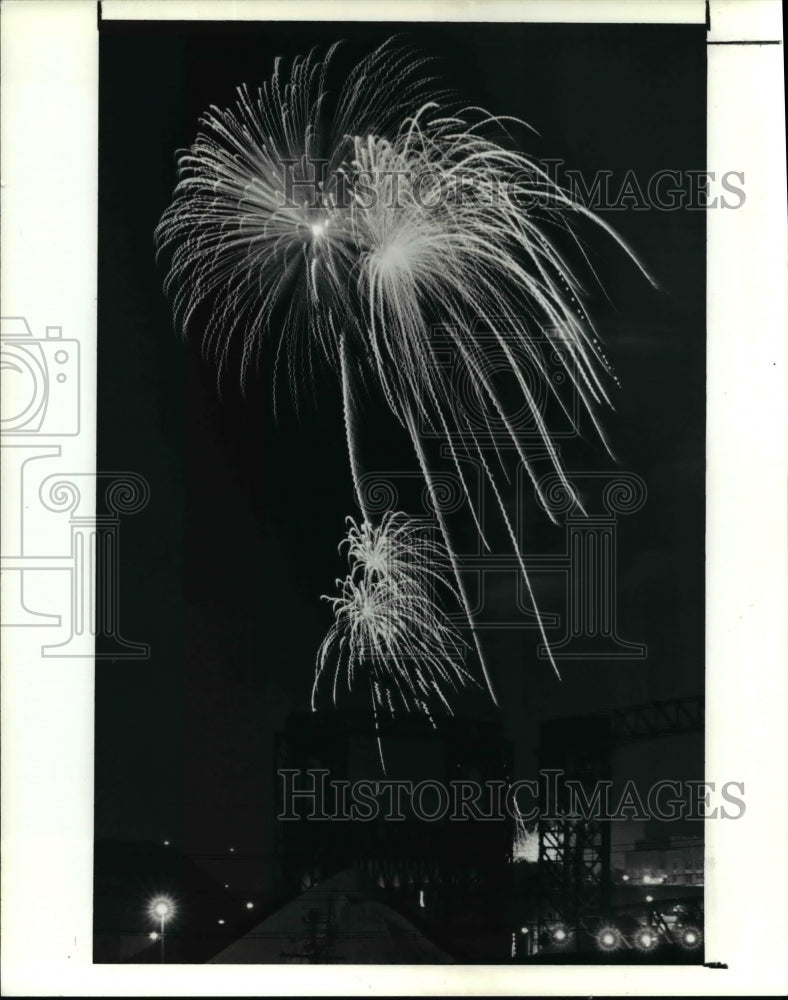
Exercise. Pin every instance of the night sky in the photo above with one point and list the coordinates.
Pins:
(222, 572)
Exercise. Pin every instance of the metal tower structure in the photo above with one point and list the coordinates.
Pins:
(574, 851)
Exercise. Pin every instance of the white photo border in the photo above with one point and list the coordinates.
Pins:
(49, 168)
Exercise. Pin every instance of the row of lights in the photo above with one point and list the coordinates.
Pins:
(609, 938)
(648, 879)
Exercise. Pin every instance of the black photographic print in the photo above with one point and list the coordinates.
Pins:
(403, 325)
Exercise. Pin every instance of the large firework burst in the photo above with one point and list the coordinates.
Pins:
(420, 218)
(251, 230)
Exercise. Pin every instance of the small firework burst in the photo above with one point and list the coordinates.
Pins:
(398, 550)
(390, 624)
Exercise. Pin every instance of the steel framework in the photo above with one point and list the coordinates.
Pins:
(574, 852)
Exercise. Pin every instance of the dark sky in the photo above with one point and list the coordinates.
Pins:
(222, 572)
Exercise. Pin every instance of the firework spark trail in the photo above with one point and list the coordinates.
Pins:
(419, 220)
(348, 419)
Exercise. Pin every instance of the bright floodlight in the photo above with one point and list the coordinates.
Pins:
(249, 906)
(161, 908)
(690, 938)
(649, 899)
(625, 878)
(154, 935)
(646, 940)
(607, 938)
(560, 934)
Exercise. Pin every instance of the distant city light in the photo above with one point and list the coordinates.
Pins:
(625, 878)
(227, 885)
(523, 930)
(250, 906)
(649, 899)
(690, 938)
(166, 843)
(232, 850)
(646, 940)
(154, 935)
(220, 921)
(607, 938)
(422, 904)
(560, 935)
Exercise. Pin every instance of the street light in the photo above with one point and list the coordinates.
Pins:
(646, 940)
(607, 938)
(691, 938)
(161, 908)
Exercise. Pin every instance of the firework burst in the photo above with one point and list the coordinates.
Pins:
(421, 219)
(390, 622)
(253, 236)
